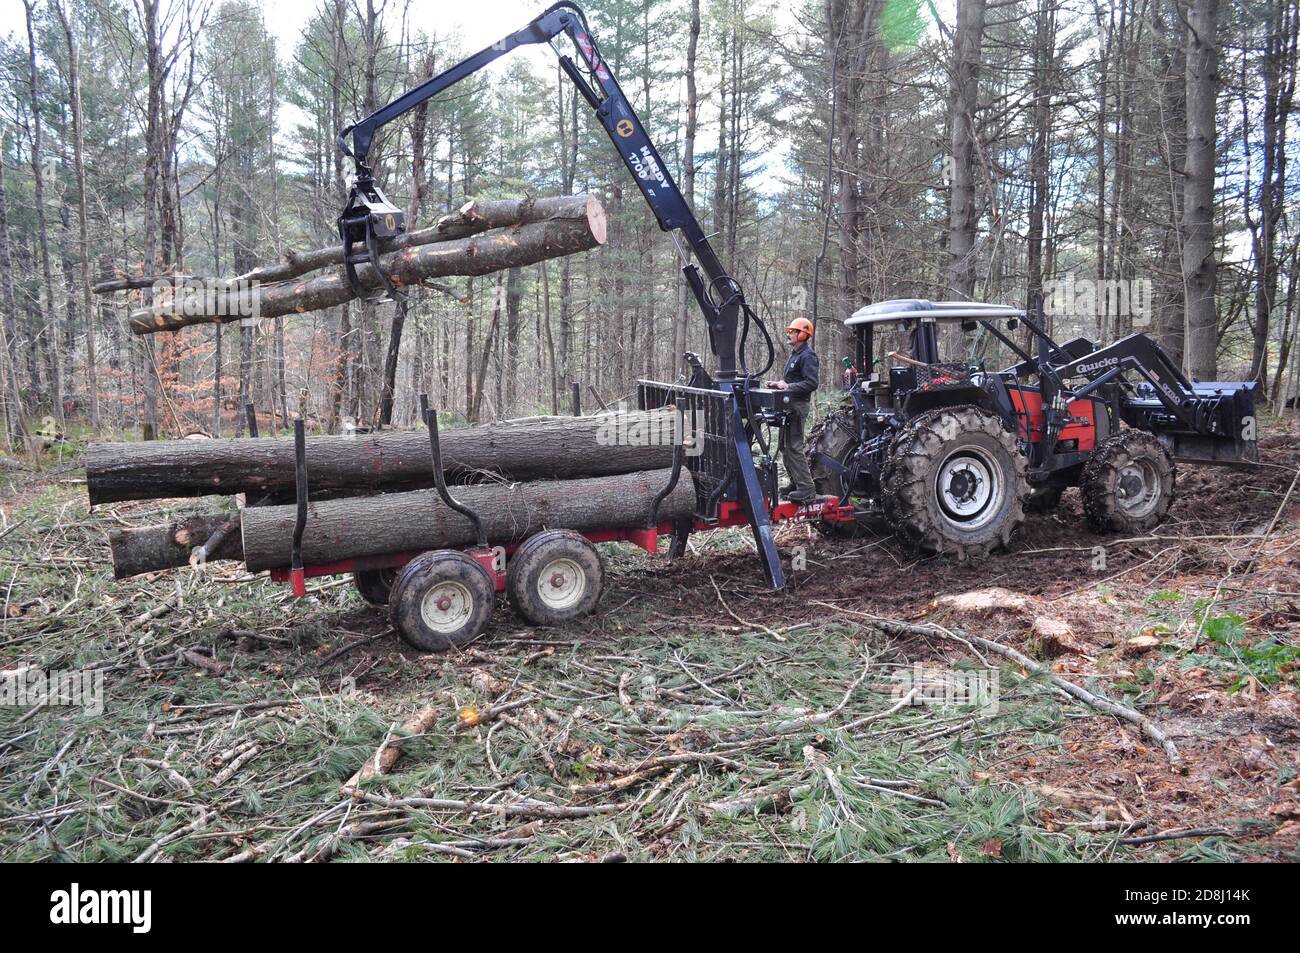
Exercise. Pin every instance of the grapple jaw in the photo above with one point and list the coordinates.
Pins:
(366, 222)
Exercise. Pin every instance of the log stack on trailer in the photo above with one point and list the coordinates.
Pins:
(543, 488)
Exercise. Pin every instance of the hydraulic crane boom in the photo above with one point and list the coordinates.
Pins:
(718, 294)
(369, 218)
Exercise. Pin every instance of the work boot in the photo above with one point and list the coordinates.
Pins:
(802, 496)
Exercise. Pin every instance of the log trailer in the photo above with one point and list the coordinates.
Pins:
(947, 452)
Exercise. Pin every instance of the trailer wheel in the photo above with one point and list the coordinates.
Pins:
(1128, 483)
(441, 599)
(555, 577)
(955, 482)
(375, 585)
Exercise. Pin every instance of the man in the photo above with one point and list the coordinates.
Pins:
(800, 379)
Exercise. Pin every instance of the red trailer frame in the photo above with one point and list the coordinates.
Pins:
(730, 514)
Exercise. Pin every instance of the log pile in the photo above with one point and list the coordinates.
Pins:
(552, 447)
(480, 238)
(370, 492)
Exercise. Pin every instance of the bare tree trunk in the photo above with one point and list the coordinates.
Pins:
(1199, 270)
(528, 449)
(514, 297)
(964, 215)
(489, 339)
(1044, 58)
(680, 325)
(38, 180)
(14, 395)
(1279, 77)
(418, 128)
(78, 136)
(479, 255)
(418, 521)
(1170, 292)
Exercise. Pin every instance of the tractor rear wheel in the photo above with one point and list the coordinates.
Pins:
(441, 599)
(955, 482)
(1128, 483)
(834, 438)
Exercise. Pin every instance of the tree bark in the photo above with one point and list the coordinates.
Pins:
(964, 215)
(478, 255)
(1199, 270)
(418, 521)
(554, 447)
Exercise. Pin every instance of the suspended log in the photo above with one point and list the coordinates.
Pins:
(419, 520)
(528, 449)
(152, 548)
(472, 218)
(581, 228)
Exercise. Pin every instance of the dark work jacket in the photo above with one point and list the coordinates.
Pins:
(802, 372)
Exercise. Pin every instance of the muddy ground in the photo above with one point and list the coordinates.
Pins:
(696, 716)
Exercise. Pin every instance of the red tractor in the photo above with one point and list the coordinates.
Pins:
(951, 453)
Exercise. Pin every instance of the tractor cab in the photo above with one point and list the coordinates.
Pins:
(899, 349)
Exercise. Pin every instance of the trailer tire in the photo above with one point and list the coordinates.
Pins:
(441, 599)
(375, 586)
(1128, 483)
(955, 483)
(555, 577)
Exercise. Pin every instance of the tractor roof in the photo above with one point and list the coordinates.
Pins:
(909, 309)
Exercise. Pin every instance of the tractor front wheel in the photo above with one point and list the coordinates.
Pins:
(955, 483)
(1128, 483)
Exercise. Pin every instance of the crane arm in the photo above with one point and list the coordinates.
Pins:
(717, 293)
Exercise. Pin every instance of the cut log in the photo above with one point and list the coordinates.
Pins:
(471, 218)
(418, 521)
(382, 761)
(530, 449)
(481, 254)
(152, 548)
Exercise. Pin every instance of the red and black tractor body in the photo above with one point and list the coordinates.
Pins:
(1061, 402)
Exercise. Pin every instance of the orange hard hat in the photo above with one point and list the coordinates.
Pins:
(801, 326)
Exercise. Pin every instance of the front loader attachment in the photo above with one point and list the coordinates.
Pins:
(1225, 430)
